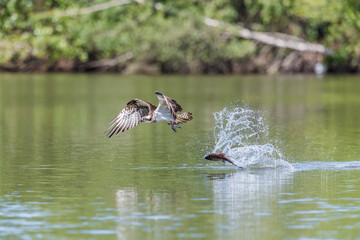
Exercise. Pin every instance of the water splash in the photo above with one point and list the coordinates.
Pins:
(243, 135)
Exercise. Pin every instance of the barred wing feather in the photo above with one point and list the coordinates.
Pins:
(129, 117)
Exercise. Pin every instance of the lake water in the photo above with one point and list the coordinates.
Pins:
(297, 137)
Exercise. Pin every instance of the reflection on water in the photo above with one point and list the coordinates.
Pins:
(235, 196)
(17, 219)
(245, 199)
(261, 203)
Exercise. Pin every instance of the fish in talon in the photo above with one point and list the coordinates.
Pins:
(175, 126)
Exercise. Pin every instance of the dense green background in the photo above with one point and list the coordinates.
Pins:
(171, 35)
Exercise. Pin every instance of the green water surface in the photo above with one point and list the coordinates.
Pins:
(60, 178)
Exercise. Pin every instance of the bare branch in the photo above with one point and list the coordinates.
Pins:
(87, 10)
(107, 63)
(280, 40)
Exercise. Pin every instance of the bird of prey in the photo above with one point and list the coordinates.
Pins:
(137, 111)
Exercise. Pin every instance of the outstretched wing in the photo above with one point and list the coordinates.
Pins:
(174, 104)
(129, 117)
(171, 104)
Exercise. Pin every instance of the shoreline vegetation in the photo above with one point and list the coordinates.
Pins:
(190, 36)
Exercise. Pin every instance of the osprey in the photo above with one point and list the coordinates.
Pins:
(137, 111)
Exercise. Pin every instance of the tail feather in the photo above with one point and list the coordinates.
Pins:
(183, 117)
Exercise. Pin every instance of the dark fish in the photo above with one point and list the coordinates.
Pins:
(219, 157)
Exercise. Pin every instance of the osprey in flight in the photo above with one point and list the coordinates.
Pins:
(137, 111)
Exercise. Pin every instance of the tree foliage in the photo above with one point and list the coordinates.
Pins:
(171, 34)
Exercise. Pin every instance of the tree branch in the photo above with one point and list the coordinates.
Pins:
(106, 63)
(88, 10)
(280, 40)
